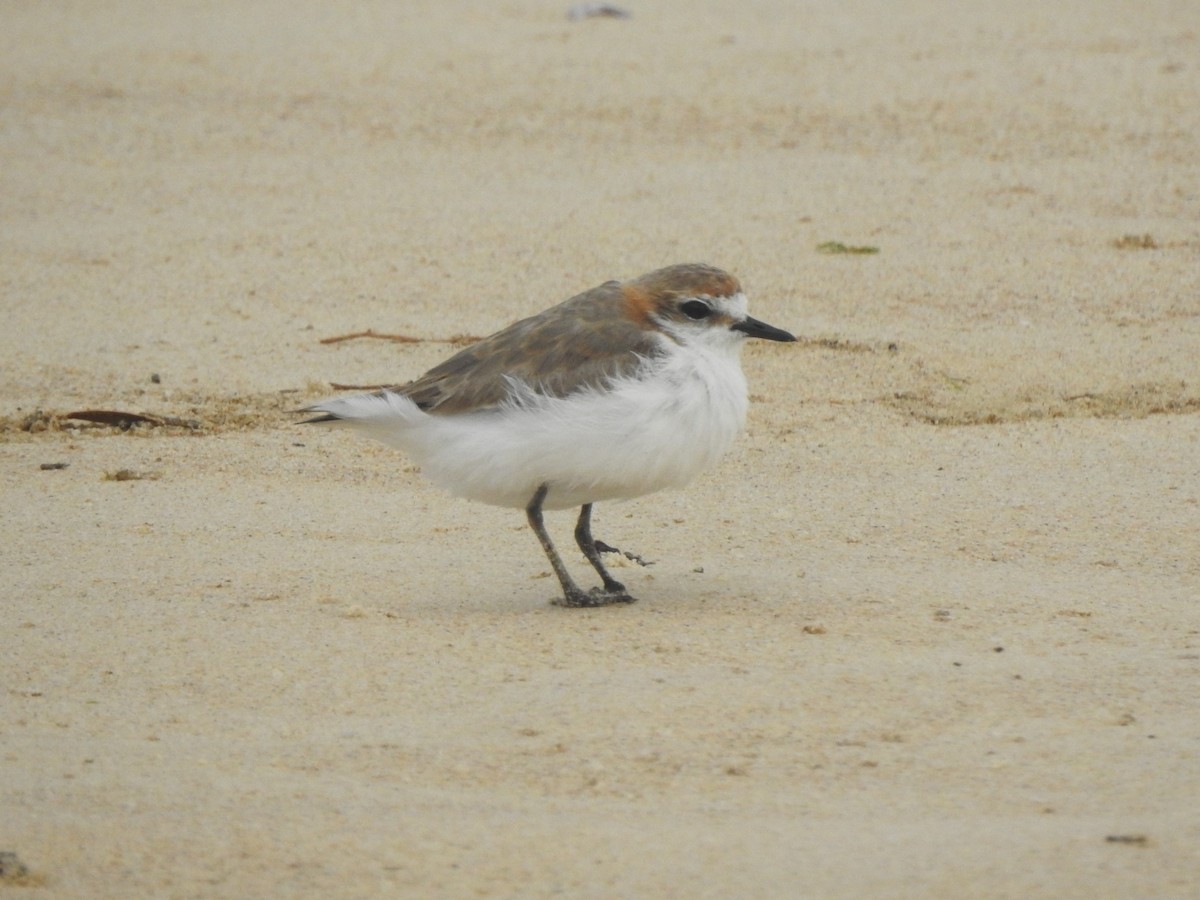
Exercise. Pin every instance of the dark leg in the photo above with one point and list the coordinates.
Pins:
(572, 595)
(583, 537)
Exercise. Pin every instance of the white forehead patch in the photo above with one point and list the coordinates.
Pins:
(734, 306)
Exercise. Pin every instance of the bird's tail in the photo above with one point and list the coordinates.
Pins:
(385, 415)
(316, 420)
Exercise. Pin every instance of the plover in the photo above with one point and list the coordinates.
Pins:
(623, 390)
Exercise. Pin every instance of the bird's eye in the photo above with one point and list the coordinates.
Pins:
(696, 309)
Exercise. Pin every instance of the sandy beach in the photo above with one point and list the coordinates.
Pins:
(931, 629)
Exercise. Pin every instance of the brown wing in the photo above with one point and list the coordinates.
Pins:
(582, 341)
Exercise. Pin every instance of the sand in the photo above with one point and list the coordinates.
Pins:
(931, 630)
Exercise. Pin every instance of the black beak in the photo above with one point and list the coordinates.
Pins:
(751, 327)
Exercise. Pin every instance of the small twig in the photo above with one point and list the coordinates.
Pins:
(358, 387)
(370, 333)
(399, 338)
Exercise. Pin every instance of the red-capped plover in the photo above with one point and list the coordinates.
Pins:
(623, 390)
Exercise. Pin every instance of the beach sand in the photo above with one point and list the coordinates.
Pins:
(932, 629)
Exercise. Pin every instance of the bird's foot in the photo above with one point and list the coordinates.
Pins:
(595, 597)
(602, 547)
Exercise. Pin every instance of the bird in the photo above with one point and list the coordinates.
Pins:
(623, 390)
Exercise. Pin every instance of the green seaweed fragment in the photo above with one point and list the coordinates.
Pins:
(839, 247)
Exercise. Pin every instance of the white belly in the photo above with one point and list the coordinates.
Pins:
(640, 436)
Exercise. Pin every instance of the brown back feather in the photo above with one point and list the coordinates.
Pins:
(582, 341)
